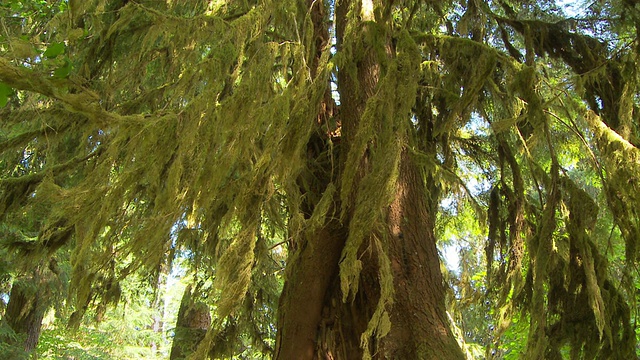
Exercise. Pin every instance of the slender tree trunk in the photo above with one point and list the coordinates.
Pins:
(193, 321)
(314, 322)
(159, 303)
(25, 310)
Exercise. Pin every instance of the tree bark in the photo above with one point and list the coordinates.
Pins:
(420, 327)
(303, 298)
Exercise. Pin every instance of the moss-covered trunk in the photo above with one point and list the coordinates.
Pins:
(314, 320)
(25, 311)
(316, 324)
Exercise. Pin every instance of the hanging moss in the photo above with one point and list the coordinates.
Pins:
(380, 134)
(621, 161)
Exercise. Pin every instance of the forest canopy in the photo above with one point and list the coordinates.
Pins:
(326, 179)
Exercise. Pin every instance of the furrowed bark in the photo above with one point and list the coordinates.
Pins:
(419, 325)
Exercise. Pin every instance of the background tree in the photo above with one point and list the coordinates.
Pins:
(194, 319)
(305, 157)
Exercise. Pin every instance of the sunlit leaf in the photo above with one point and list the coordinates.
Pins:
(54, 50)
(63, 71)
(5, 92)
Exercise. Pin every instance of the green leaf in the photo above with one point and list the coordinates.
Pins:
(63, 71)
(54, 50)
(5, 92)
(16, 6)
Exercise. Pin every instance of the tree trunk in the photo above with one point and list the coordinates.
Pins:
(420, 327)
(193, 321)
(314, 322)
(159, 303)
(25, 311)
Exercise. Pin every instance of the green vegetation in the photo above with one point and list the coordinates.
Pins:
(283, 179)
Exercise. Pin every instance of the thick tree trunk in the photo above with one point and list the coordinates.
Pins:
(420, 327)
(314, 322)
(303, 298)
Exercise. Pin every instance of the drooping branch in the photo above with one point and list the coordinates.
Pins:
(85, 102)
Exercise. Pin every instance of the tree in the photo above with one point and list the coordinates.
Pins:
(323, 137)
(25, 312)
(193, 322)
(31, 295)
